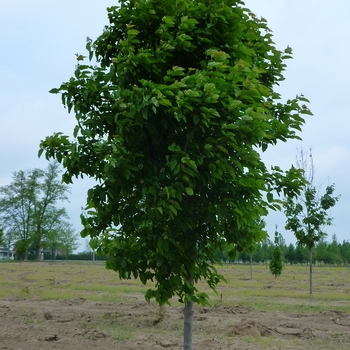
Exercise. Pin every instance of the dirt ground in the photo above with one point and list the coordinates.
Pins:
(27, 324)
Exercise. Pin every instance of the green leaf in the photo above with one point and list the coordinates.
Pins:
(165, 102)
(189, 191)
(173, 163)
(174, 148)
(269, 197)
(54, 91)
(172, 209)
(169, 21)
(133, 32)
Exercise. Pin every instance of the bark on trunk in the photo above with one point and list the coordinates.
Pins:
(188, 321)
(310, 263)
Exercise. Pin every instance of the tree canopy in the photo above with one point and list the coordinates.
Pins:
(307, 214)
(173, 112)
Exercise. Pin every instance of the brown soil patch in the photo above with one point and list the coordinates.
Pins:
(81, 324)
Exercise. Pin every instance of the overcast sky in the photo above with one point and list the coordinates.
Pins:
(39, 40)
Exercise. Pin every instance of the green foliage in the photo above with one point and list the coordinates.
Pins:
(307, 219)
(333, 253)
(62, 237)
(290, 254)
(307, 213)
(28, 206)
(263, 251)
(68, 240)
(345, 251)
(21, 249)
(171, 116)
(1, 236)
(276, 263)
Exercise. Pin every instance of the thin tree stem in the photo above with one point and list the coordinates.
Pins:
(188, 321)
(310, 263)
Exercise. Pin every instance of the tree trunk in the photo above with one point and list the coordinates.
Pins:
(37, 252)
(188, 321)
(310, 263)
(251, 266)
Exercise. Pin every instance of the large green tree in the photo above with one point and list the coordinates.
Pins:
(172, 115)
(307, 214)
(29, 205)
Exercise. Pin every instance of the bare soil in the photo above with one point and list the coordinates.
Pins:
(27, 324)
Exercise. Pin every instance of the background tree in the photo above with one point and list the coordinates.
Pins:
(16, 206)
(263, 251)
(255, 229)
(290, 254)
(61, 236)
(334, 250)
(8, 241)
(307, 213)
(2, 235)
(227, 253)
(21, 249)
(345, 251)
(301, 254)
(68, 239)
(276, 263)
(171, 116)
(29, 205)
(46, 214)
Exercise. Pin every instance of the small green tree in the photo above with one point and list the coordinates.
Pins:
(307, 214)
(171, 115)
(256, 228)
(21, 249)
(276, 263)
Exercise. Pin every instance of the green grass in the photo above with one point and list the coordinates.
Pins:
(289, 292)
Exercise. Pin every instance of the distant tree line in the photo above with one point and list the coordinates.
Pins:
(333, 253)
(49, 256)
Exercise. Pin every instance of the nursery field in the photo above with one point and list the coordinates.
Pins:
(81, 305)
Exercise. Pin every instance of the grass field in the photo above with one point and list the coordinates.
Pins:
(76, 304)
(289, 292)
